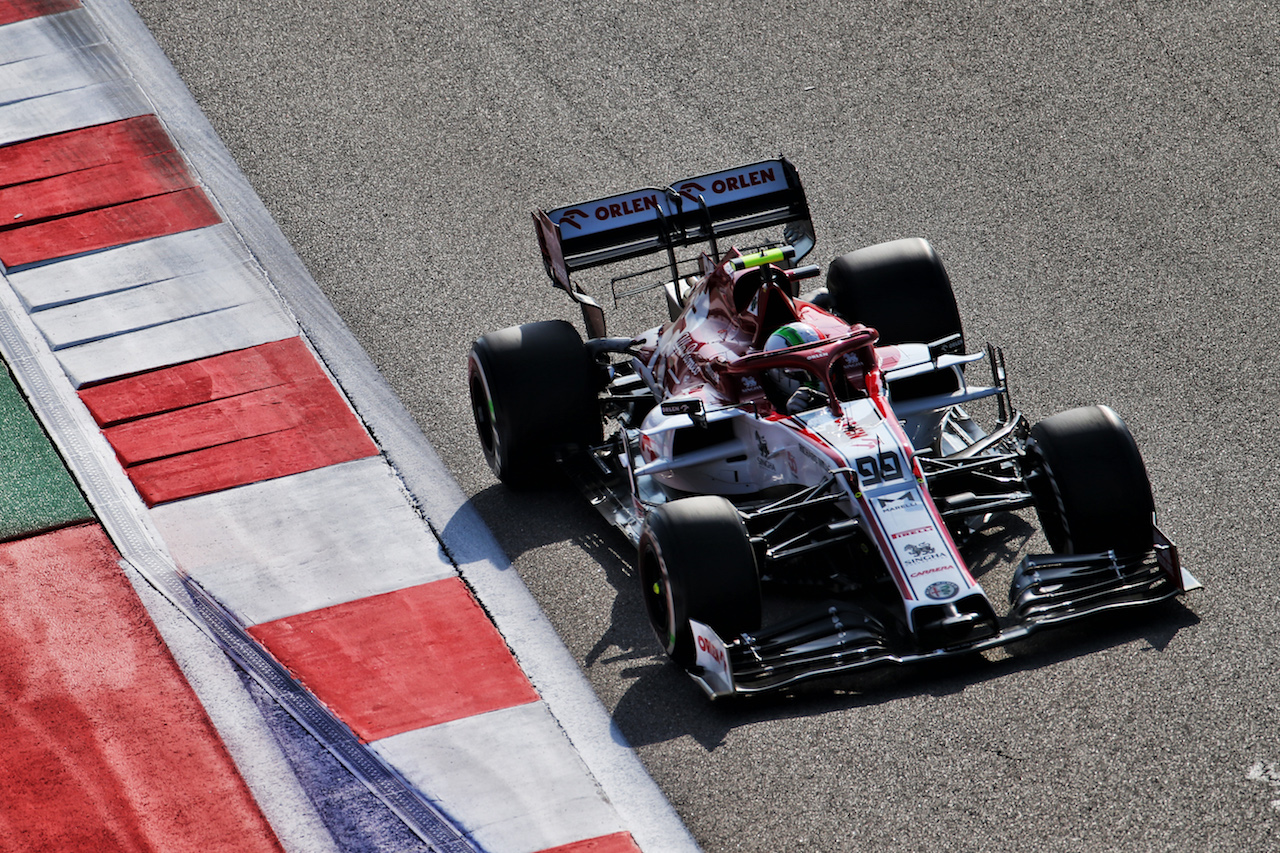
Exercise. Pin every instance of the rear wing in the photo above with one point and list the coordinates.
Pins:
(647, 221)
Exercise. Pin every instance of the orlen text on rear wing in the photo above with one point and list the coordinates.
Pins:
(647, 221)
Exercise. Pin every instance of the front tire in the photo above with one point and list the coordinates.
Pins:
(696, 562)
(1089, 482)
(532, 389)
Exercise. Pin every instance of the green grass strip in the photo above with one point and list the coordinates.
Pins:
(37, 492)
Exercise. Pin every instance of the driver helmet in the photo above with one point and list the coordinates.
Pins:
(792, 335)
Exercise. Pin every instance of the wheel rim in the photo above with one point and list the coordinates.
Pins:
(657, 596)
(1048, 502)
(485, 417)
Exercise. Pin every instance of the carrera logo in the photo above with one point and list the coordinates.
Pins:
(935, 570)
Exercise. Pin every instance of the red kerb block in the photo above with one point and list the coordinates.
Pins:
(12, 11)
(226, 421)
(95, 188)
(400, 661)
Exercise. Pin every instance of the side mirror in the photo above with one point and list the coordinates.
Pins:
(691, 406)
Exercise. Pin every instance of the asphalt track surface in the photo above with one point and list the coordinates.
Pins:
(1100, 178)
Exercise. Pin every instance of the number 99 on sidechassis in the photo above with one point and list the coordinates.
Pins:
(848, 463)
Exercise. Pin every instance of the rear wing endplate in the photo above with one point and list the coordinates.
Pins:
(647, 221)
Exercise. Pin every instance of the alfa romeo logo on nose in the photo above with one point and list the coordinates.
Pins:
(941, 590)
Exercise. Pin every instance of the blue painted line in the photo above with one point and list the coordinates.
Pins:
(358, 821)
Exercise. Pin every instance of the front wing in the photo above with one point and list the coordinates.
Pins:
(1046, 591)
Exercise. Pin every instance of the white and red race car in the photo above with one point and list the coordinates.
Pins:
(760, 446)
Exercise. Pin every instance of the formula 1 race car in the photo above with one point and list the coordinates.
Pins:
(761, 442)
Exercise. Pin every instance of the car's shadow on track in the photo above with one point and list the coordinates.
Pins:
(685, 712)
(659, 703)
(992, 556)
(558, 516)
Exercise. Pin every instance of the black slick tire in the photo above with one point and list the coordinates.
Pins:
(899, 288)
(1089, 482)
(533, 388)
(696, 562)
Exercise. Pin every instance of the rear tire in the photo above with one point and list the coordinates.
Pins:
(696, 562)
(1089, 482)
(900, 289)
(532, 389)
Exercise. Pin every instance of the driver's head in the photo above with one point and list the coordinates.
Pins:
(791, 335)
